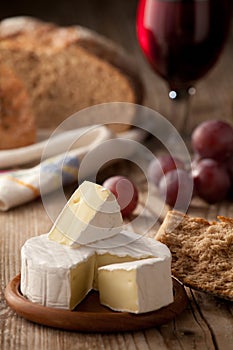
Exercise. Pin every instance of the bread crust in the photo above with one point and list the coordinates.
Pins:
(202, 251)
(17, 125)
(48, 57)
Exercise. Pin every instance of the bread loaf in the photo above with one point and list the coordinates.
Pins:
(66, 69)
(17, 124)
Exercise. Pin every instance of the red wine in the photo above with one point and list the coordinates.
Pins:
(182, 39)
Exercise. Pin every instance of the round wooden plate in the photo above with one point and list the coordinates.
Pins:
(90, 315)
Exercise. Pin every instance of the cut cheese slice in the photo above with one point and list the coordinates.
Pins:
(91, 214)
(125, 247)
(137, 287)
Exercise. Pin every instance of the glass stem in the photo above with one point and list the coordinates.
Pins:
(185, 127)
(180, 110)
(179, 115)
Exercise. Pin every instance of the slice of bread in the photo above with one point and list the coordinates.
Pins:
(17, 124)
(66, 69)
(202, 251)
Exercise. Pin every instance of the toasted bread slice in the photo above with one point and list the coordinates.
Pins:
(202, 251)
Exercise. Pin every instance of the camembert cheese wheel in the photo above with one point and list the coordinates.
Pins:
(55, 275)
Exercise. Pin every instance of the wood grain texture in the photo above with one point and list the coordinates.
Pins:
(207, 323)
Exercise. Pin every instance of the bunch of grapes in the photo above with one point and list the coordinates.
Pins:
(212, 166)
(211, 171)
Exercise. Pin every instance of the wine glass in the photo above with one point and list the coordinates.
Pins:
(182, 40)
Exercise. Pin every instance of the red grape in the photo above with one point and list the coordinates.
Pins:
(211, 180)
(170, 185)
(162, 165)
(125, 191)
(213, 139)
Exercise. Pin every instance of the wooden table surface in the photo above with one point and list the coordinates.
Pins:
(207, 323)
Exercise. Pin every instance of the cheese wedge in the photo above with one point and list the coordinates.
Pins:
(137, 287)
(125, 247)
(91, 214)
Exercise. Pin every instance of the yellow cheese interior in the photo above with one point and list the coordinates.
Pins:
(81, 281)
(77, 212)
(84, 210)
(80, 211)
(107, 259)
(57, 236)
(118, 289)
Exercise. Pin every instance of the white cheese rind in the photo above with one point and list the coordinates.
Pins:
(46, 268)
(131, 244)
(137, 287)
(91, 214)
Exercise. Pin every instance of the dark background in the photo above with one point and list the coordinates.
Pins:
(99, 15)
(113, 18)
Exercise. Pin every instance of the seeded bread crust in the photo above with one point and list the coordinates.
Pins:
(17, 124)
(202, 251)
(66, 69)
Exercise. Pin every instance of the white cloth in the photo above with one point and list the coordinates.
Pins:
(57, 164)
